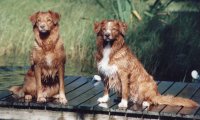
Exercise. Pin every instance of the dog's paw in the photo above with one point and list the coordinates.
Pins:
(123, 104)
(41, 99)
(62, 99)
(103, 105)
(145, 104)
(103, 99)
(56, 96)
(28, 97)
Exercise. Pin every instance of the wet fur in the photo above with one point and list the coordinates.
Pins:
(45, 78)
(131, 80)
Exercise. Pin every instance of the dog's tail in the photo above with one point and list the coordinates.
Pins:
(174, 101)
(17, 91)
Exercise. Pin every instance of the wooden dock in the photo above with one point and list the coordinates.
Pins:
(82, 104)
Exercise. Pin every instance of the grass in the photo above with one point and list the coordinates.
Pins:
(76, 28)
(166, 43)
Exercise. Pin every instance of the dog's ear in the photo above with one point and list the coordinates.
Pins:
(33, 18)
(56, 16)
(97, 27)
(122, 27)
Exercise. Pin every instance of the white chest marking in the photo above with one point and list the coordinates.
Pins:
(49, 59)
(103, 65)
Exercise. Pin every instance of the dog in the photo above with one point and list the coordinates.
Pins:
(45, 78)
(122, 71)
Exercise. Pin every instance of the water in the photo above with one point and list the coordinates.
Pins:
(11, 76)
(13, 70)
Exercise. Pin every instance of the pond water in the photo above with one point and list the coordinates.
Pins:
(14, 75)
(11, 76)
(12, 71)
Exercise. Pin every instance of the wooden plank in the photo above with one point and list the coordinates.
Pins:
(71, 86)
(80, 90)
(193, 93)
(92, 103)
(30, 114)
(86, 96)
(164, 86)
(187, 92)
(70, 79)
(112, 104)
(174, 89)
(197, 114)
(4, 103)
(76, 84)
(138, 109)
(196, 98)
(104, 107)
(21, 103)
(132, 109)
(82, 96)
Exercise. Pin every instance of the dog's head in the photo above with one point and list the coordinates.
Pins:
(110, 29)
(45, 21)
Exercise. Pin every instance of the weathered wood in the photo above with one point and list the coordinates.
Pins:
(80, 90)
(174, 89)
(86, 96)
(30, 114)
(187, 92)
(75, 85)
(82, 98)
(190, 92)
(137, 110)
(196, 97)
(162, 88)
(106, 107)
(10, 101)
(70, 79)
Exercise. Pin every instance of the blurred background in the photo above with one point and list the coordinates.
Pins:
(164, 34)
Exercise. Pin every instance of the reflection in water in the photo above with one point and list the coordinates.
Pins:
(14, 75)
(11, 76)
(13, 69)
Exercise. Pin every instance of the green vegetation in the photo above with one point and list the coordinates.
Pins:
(165, 38)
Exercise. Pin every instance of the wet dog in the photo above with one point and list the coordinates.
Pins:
(122, 71)
(45, 78)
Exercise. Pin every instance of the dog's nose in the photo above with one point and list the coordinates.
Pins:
(107, 34)
(42, 26)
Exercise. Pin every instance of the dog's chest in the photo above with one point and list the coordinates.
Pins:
(103, 66)
(49, 59)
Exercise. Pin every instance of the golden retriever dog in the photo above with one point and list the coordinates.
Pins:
(121, 70)
(45, 78)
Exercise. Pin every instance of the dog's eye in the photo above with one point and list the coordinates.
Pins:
(38, 20)
(48, 20)
(114, 29)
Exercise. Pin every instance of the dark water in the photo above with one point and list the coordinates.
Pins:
(11, 76)
(14, 75)
(13, 70)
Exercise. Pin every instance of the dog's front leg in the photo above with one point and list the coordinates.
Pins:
(124, 90)
(40, 96)
(62, 98)
(105, 97)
